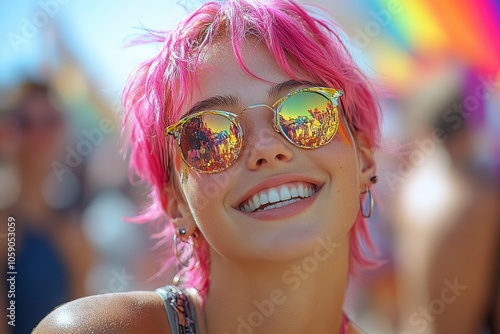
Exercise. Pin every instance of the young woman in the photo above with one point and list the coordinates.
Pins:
(256, 131)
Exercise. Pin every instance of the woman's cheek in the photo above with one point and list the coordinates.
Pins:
(203, 192)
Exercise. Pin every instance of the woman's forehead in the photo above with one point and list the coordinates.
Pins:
(222, 71)
(252, 54)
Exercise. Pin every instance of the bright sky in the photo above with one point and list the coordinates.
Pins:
(93, 30)
(95, 33)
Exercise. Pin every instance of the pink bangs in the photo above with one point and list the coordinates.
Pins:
(157, 91)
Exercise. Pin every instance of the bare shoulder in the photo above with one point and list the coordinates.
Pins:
(129, 312)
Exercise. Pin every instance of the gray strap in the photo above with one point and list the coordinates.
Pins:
(180, 311)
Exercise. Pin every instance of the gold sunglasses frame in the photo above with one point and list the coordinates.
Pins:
(330, 94)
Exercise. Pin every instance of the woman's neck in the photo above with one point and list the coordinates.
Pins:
(303, 296)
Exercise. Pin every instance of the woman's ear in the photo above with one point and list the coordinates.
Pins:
(366, 161)
(176, 207)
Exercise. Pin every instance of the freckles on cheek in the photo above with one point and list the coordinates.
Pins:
(345, 174)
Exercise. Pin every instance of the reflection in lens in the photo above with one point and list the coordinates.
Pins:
(308, 119)
(210, 142)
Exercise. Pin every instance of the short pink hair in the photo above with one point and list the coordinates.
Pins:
(158, 90)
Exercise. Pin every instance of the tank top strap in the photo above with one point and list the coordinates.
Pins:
(182, 315)
(180, 310)
(345, 321)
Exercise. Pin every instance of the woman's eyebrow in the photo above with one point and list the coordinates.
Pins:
(281, 88)
(231, 101)
(214, 102)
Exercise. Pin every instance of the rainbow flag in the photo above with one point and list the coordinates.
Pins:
(468, 30)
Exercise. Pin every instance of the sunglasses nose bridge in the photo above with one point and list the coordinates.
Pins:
(257, 105)
(262, 105)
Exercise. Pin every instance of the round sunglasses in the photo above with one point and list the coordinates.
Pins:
(210, 141)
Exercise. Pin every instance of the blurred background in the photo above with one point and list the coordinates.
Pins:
(437, 219)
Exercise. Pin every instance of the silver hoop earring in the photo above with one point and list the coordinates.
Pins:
(370, 198)
(183, 260)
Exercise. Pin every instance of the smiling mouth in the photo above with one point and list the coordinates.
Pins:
(277, 197)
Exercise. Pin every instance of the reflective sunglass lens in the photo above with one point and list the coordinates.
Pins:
(210, 142)
(308, 119)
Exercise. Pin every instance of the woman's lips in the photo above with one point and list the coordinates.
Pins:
(277, 197)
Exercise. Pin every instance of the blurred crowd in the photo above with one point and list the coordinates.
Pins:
(437, 225)
(67, 188)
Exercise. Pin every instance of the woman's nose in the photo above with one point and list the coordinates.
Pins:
(266, 147)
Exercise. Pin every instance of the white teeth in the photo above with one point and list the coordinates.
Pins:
(300, 189)
(246, 207)
(252, 207)
(277, 205)
(273, 196)
(264, 199)
(256, 201)
(284, 193)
